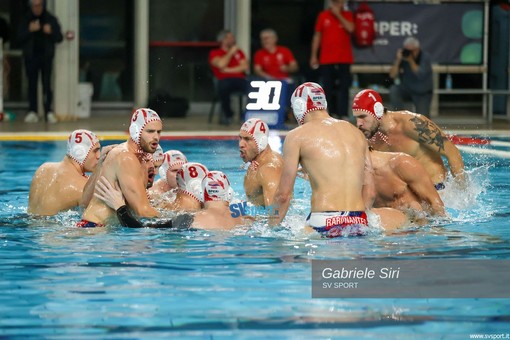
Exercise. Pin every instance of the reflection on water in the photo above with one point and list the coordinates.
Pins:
(114, 282)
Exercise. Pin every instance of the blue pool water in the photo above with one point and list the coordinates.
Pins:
(66, 283)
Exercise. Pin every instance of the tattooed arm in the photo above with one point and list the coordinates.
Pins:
(429, 135)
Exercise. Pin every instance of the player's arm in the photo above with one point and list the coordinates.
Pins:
(414, 174)
(428, 134)
(129, 176)
(88, 190)
(288, 177)
(268, 176)
(112, 196)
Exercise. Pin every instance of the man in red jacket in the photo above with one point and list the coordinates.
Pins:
(332, 36)
(229, 64)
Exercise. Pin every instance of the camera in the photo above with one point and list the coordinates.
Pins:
(406, 53)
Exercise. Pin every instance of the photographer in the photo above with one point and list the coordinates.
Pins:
(412, 75)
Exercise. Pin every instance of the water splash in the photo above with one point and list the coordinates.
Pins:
(465, 203)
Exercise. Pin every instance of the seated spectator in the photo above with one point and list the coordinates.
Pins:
(229, 64)
(273, 61)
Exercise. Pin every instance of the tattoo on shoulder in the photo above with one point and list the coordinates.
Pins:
(428, 133)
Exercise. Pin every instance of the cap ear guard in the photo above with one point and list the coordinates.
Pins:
(258, 130)
(78, 152)
(189, 180)
(79, 145)
(134, 130)
(307, 97)
(139, 119)
(299, 108)
(378, 110)
(158, 155)
(262, 143)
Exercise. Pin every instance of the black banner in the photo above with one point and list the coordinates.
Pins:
(452, 33)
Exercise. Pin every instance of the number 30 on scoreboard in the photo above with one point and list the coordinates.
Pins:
(267, 101)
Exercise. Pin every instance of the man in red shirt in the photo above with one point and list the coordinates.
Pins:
(332, 35)
(273, 61)
(229, 65)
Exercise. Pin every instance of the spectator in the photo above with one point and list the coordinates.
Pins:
(412, 72)
(229, 64)
(38, 33)
(273, 61)
(5, 35)
(332, 35)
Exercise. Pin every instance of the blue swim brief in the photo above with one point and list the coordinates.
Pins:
(439, 186)
(338, 223)
(88, 224)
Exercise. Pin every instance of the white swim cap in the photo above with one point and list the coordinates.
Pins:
(189, 180)
(369, 101)
(139, 120)
(171, 158)
(158, 155)
(259, 131)
(79, 145)
(216, 187)
(307, 97)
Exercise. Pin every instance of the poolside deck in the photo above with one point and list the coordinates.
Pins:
(117, 122)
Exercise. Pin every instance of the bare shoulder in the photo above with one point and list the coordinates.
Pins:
(400, 158)
(295, 132)
(121, 155)
(47, 167)
(419, 123)
(406, 163)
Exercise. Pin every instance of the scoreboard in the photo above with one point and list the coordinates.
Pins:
(268, 101)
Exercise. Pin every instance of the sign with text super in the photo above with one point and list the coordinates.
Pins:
(451, 32)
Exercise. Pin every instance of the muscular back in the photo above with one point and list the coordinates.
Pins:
(392, 190)
(55, 187)
(333, 153)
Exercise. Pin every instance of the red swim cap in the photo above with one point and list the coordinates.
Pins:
(369, 101)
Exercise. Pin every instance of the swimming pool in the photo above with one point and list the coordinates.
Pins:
(61, 282)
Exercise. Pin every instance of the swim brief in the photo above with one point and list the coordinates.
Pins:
(439, 186)
(88, 224)
(338, 223)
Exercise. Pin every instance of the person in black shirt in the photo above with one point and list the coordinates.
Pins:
(38, 33)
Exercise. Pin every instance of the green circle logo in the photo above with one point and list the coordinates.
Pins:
(471, 54)
(472, 24)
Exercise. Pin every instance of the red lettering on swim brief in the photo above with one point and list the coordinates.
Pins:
(341, 220)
